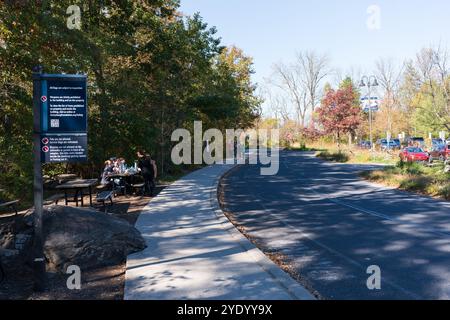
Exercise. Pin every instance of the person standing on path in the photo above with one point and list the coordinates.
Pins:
(149, 171)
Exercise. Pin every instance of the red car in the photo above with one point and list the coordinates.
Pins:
(447, 151)
(440, 153)
(414, 154)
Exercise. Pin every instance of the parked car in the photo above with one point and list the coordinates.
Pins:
(437, 152)
(438, 142)
(391, 145)
(416, 142)
(414, 154)
(397, 142)
(365, 145)
(447, 151)
(380, 142)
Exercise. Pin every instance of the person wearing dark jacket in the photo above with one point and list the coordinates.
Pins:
(148, 171)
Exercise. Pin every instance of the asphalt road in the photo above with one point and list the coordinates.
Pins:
(332, 226)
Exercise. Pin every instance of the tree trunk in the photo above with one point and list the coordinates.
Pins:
(339, 141)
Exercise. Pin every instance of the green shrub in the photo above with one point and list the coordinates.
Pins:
(412, 168)
(444, 191)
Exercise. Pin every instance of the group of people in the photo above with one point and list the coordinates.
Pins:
(145, 165)
(115, 165)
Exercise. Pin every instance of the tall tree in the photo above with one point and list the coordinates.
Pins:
(389, 77)
(314, 68)
(302, 81)
(430, 77)
(289, 80)
(338, 113)
(150, 70)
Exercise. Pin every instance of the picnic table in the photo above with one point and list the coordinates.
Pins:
(125, 177)
(78, 186)
(61, 178)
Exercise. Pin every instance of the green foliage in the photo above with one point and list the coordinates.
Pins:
(414, 177)
(150, 71)
(334, 156)
(410, 167)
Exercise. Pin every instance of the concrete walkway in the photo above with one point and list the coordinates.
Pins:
(194, 252)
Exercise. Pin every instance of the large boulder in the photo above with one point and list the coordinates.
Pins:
(87, 238)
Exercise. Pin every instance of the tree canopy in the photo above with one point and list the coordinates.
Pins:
(340, 113)
(150, 70)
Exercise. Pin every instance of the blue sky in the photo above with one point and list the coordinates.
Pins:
(273, 31)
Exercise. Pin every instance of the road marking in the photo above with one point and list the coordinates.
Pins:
(375, 213)
(383, 216)
(337, 253)
(285, 161)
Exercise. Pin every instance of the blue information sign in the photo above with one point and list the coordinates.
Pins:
(57, 147)
(63, 103)
(62, 117)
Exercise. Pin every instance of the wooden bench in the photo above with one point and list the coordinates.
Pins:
(103, 187)
(105, 196)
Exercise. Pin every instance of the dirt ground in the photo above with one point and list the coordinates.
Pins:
(105, 283)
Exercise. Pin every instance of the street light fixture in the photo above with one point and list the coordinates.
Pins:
(369, 82)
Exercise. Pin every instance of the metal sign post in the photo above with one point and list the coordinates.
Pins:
(60, 135)
(38, 244)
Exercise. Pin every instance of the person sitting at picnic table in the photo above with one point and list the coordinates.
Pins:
(106, 172)
(121, 164)
(148, 170)
(115, 167)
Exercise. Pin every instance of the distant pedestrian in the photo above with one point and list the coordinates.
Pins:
(148, 170)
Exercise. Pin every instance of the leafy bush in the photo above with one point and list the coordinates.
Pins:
(414, 177)
(444, 191)
(413, 168)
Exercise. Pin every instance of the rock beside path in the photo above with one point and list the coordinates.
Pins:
(86, 238)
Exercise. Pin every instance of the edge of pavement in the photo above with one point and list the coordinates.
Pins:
(295, 289)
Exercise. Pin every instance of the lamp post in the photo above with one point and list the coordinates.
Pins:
(369, 82)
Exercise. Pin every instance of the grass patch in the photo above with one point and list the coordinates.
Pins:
(304, 149)
(366, 156)
(341, 157)
(414, 177)
(354, 155)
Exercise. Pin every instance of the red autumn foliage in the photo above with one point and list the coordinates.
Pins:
(338, 113)
(311, 133)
